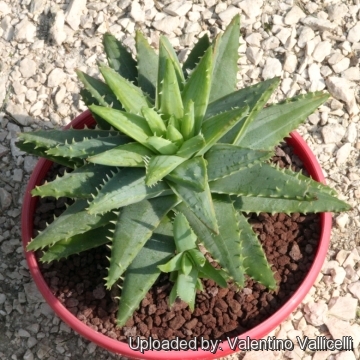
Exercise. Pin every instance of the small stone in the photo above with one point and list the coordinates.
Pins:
(3, 150)
(338, 275)
(339, 328)
(352, 74)
(99, 292)
(294, 16)
(56, 77)
(315, 312)
(341, 256)
(290, 63)
(25, 31)
(314, 119)
(342, 65)
(272, 68)
(318, 24)
(18, 112)
(354, 33)
(23, 333)
(28, 355)
(295, 252)
(5, 199)
(31, 342)
(254, 39)
(178, 8)
(254, 54)
(2, 296)
(29, 163)
(57, 29)
(167, 25)
(32, 293)
(18, 175)
(333, 133)
(271, 42)
(352, 259)
(305, 36)
(354, 288)
(136, 12)
(335, 58)
(227, 15)
(346, 355)
(4, 8)
(344, 308)
(283, 35)
(322, 49)
(73, 13)
(343, 89)
(252, 8)
(343, 153)
(27, 67)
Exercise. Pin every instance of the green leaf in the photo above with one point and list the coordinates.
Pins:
(254, 96)
(197, 89)
(275, 122)
(147, 60)
(51, 138)
(88, 147)
(255, 262)
(163, 146)
(207, 271)
(171, 103)
(200, 203)
(186, 264)
(224, 247)
(191, 146)
(187, 124)
(197, 257)
(172, 265)
(216, 127)
(155, 121)
(98, 90)
(125, 188)
(224, 160)
(31, 148)
(196, 54)
(73, 221)
(225, 61)
(130, 96)
(166, 52)
(143, 271)
(80, 183)
(134, 227)
(191, 174)
(120, 58)
(264, 181)
(78, 243)
(128, 155)
(132, 125)
(174, 135)
(184, 237)
(160, 166)
(185, 287)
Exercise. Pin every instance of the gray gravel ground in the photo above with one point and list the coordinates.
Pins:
(312, 45)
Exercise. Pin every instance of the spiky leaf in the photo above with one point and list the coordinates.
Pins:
(143, 271)
(275, 122)
(130, 96)
(200, 78)
(163, 146)
(191, 174)
(80, 183)
(225, 61)
(187, 125)
(160, 166)
(224, 160)
(128, 155)
(199, 202)
(120, 58)
(196, 54)
(185, 287)
(216, 127)
(191, 146)
(74, 220)
(78, 243)
(156, 123)
(125, 188)
(147, 60)
(134, 227)
(184, 237)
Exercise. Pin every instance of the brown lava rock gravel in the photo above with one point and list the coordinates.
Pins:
(290, 243)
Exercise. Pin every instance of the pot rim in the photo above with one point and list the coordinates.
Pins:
(312, 166)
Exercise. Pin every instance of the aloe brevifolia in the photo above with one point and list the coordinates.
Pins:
(170, 140)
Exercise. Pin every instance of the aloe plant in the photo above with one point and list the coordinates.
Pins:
(174, 139)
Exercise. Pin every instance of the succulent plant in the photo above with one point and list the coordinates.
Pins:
(174, 140)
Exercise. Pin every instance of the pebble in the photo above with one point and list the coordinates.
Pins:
(315, 312)
(354, 288)
(342, 65)
(56, 77)
(318, 24)
(321, 51)
(305, 36)
(294, 16)
(290, 63)
(343, 154)
(167, 24)
(136, 12)
(5, 199)
(73, 13)
(25, 31)
(354, 33)
(271, 69)
(57, 29)
(27, 67)
(178, 8)
(333, 133)
(343, 307)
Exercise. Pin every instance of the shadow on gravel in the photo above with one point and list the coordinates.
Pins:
(43, 30)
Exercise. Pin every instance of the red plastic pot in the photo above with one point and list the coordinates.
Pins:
(42, 167)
